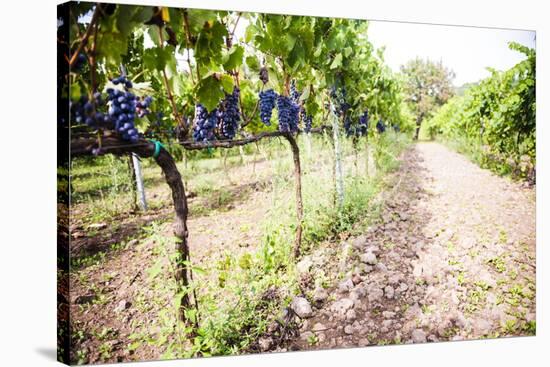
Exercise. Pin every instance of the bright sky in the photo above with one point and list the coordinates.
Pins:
(468, 51)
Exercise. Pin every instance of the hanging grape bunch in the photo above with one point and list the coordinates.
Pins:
(159, 115)
(338, 96)
(229, 114)
(295, 97)
(347, 127)
(380, 127)
(264, 75)
(81, 60)
(267, 103)
(363, 124)
(205, 124)
(86, 111)
(123, 107)
(288, 114)
(306, 119)
(294, 94)
(116, 113)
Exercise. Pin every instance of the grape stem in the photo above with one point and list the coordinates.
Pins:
(92, 60)
(232, 34)
(87, 35)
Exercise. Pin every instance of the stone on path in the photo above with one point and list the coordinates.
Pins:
(418, 336)
(301, 307)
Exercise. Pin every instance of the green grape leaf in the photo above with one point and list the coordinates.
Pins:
(234, 58)
(209, 92)
(337, 62)
(227, 83)
(252, 63)
(157, 58)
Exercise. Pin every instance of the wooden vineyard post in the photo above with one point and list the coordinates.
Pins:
(330, 141)
(367, 153)
(339, 179)
(298, 183)
(355, 155)
(241, 154)
(132, 179)
(308, 146)
(139, 182)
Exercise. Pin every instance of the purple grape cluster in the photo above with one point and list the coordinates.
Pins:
(267, 103)
(264, 75)
(295, 98)
(288, 114)
(338, 96)
(205, 124)
(306, 119)
(80, 61)
(380, 126)
(363, 127)
(123, 80)
(86, 111)
(123, 108)
(229, 115)
(117, 112)
(294, 94)
(348, 128)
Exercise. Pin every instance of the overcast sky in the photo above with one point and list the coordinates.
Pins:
(466, 50)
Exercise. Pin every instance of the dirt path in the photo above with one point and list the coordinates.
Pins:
(452, 258)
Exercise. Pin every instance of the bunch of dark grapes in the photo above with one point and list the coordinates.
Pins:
(142, 107)
(124, 81)
(288, 114)
(380, 127)
(363, 123)
(86, 111)
(229, 115)
(294, 94)
(159, 116)
(338, 96)
(267, 103)
(116, 113)
(360, 129)
(306, 119)
(205, 124)
(80, 61)
(350, 131)
(123, 108)
(264, 75)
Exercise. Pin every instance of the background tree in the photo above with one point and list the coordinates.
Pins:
(427, 85)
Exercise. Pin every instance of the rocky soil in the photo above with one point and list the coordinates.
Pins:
(452, 258)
